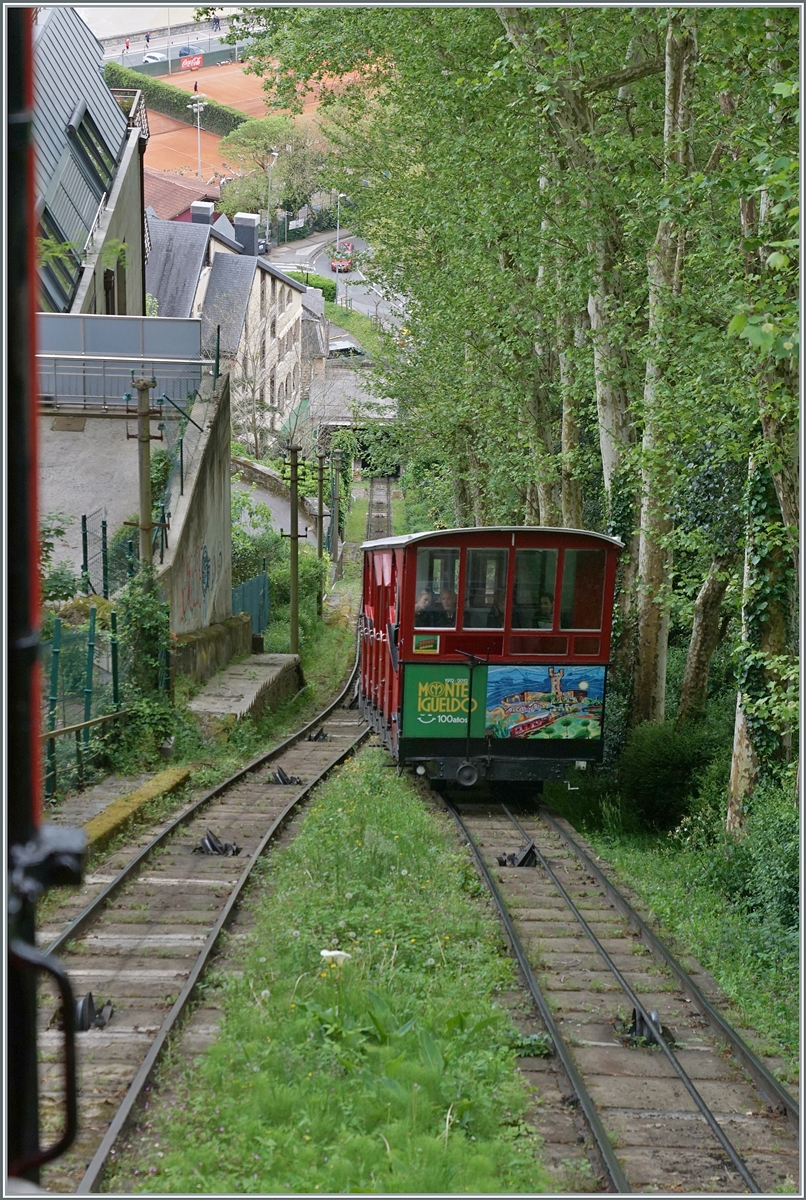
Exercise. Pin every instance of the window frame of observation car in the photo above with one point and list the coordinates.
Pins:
(422, 550)
(503, 575)
(574, 591)
(524, 550)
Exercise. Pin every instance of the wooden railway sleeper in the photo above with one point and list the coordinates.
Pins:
(724, 1141)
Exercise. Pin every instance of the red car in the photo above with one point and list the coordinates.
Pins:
(342, 259)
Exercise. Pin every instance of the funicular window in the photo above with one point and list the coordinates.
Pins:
(437, 581)
(583, 589)
(533, 599)
(485, 589)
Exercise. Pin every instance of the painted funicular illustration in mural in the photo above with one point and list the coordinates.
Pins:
(544, 702)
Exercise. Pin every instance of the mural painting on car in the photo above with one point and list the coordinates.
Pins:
(545, 702)
(529, 701)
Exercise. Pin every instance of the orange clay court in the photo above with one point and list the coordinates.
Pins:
(172, 145)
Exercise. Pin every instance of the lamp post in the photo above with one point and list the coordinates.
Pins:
(339, 197)
(272, 161)
(197, 106)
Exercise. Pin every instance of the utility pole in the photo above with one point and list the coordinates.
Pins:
(320, 527)
(334, 518)
(143, 387)
(294, 536)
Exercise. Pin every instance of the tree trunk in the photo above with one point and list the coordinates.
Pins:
(476, 487)
(665, 263)
(544, 457)
(608, 365)
(532, 515)
(766, 622)
(571, 485)
(779, 424)
(705, 637)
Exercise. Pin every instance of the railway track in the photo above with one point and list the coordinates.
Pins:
(379, 508)
(674, 1099)
(145, 939)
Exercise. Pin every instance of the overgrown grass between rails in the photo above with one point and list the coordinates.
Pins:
(392, 1072)
(356, 527)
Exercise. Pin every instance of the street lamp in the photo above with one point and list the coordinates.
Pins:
(339, 197)
(273, 160)
(197, 106)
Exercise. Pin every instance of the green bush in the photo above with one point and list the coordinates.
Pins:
(172, 101)
(328, 286)
(659, 768)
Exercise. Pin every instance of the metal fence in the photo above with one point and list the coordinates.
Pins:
(253, 597)
(81, 690)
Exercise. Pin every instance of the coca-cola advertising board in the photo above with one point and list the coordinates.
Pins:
(192, 62)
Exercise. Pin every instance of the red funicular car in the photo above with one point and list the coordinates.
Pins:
(484, 652)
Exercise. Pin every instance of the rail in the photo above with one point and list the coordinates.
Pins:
(768, 1085)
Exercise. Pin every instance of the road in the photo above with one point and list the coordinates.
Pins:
(203, 42)
(314, 255)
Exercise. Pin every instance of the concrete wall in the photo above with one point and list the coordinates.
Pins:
(197, 569)
(206, 651)
(122, 219)
(270, 484)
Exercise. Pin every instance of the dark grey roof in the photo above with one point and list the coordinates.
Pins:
(67, 70)
(225, 226)
(178, 253)
(226, 240)
(313, 304)
(278, 274)
(226, 299)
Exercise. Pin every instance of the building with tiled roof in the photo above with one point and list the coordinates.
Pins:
(172, 195)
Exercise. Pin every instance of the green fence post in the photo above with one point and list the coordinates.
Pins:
(53, 700)
(79, 761)
(88, 684)
(85, 566)
(113, 646)
(104, 562)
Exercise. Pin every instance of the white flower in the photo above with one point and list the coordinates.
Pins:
(348, 895)
(337, 956)
(265, 993)
(404, 872)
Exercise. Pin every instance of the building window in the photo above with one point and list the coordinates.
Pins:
(272, 389)
(273, 325)
(121, 286)
(273, 289)
(109, 293)
(90, 149)
(60, 264)
(262, 296)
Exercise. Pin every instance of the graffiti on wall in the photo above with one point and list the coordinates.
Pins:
(202, 571)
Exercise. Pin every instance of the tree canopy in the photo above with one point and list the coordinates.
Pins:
(591, 216)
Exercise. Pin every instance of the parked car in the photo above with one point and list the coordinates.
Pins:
(342, 259)
(154, 57)
(184, 51)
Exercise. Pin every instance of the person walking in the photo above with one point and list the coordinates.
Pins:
(148, 40)
(196, 86)
(127, 45)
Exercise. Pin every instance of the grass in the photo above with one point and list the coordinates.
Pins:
(356, 323)
(392, 1072)
(399, 518)
(356, 527)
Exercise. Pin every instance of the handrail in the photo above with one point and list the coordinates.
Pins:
(52, 733)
